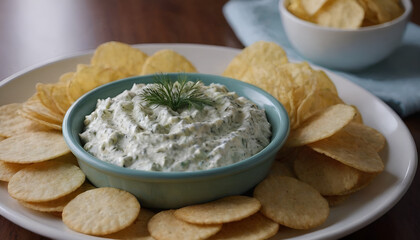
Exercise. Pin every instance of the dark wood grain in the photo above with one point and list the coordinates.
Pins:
(32, 32)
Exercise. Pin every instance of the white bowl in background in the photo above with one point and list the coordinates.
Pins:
(344, 49)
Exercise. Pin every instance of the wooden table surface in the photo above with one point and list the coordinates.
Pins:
(32, 32)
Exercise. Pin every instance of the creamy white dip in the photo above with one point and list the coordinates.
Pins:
(125, 131)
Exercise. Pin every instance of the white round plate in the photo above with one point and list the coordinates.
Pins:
(359, 210)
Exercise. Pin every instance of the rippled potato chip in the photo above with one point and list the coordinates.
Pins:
(33, 147)
(101, 211)
(322, 125)
(44, 92)
(119, 55)
(45, 181)
(302, 90)
(60, 98)
(254, 227)
(291, 203)
(34, 107)
(257, 54)
(227, 209)
(167, 61)
(165, 226)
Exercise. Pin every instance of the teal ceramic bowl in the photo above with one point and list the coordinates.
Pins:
(166, 190)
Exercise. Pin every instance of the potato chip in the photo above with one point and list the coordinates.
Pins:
(137, 230)
(364, 180)
(101, 211)
(67, 158)
(371, 136)
(46, 181)
(281, 168)
(302, 90)
(334, 201)
(322, 125)
(350, 150)
(119, 55)
(328, 176)
(254, 227)
(33, 147)
(12, 123)
(312, 6)
(7, 170)
(385, 10)
(90, 77)
(44, 92)
(256, 55)
(60, 98)
(34, 107)
(358, 117)
(57, 205)
(167, 61)
(227, 209)
(165, 226)
(345, 14)
(39, 120)
(65, 77)
(291, 203)
(296, 8)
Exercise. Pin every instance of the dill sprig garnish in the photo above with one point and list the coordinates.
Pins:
(175, 94)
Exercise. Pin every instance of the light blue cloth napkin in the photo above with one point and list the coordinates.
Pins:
(396, 80)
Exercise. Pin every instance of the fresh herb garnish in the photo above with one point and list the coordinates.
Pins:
(175, 94)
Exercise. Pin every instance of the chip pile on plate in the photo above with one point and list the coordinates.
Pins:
(111, 61)
(329, 154)
(346, 14)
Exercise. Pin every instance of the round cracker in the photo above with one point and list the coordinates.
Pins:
(227, 209)
(291, 203)
(328, 176)
(322, 125)
(33, 147)
(165, 226)
(254, 227)
(57, 205)
(137, 230)
(101, 211)
(45, 181)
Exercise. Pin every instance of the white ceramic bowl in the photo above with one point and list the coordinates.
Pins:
(344, 49)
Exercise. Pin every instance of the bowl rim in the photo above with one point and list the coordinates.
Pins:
(408, 8)
(82, 155)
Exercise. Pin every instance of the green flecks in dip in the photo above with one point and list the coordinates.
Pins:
(129, 132)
